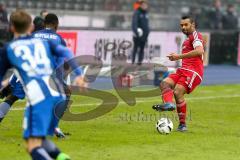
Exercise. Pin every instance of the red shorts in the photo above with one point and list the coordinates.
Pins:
(188, 79)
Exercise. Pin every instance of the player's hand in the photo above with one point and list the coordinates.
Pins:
(79, 81)
(174, 57)
(140, 32)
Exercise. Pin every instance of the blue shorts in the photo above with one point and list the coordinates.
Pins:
(16, 88)
(40, 119)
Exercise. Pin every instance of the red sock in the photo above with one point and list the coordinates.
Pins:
(182, 110)
(167, 95)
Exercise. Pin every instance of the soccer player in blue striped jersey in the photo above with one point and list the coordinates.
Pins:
(33, 61)
(51, 23)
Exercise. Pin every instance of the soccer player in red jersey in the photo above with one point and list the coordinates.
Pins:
(187, 77)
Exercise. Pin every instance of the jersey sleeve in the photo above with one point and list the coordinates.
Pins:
(63, 42)
(197, 40)
(135, 23)
(64, 52)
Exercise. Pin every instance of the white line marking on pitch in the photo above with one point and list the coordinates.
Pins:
(149, 100)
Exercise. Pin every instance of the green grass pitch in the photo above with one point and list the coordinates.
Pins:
(128, 133)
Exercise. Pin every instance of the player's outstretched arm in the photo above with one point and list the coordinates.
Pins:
(198, 51)
(62, 51)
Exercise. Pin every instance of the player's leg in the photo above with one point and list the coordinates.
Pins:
(43, 149)
(6, 105)
(185, 85)
(49, 146)
(38, 119)
(142, 44)
(179, 93)
(15, 92)
(35, 149)
(141, 53)
(60, 110)
(167, 90)
(58, 113)
(166, 87)
(135, 49)
(54, 151)
(35, 131)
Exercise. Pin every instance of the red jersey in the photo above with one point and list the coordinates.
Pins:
(194, 64)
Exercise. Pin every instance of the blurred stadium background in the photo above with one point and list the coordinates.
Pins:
(88, 26)
(117, 14)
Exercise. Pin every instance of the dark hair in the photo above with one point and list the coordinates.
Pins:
(192, 20)
(38, 23)
(51, 19)
(21, 21)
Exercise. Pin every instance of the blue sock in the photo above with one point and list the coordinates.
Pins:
(40, 153)
(51, 148)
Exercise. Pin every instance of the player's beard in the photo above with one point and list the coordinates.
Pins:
(188, 31)
(185, 32)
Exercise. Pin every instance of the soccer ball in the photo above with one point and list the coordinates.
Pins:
(164, 126)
